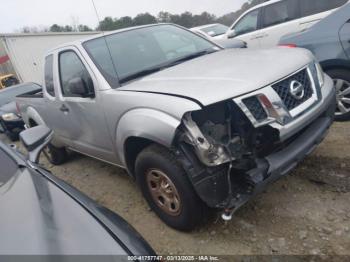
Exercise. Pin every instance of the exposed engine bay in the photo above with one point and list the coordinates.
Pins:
(218, 146)
(221, 133)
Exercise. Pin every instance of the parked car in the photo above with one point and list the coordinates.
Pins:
(211, 31)
(42, 215)
(216, 33)
(263, 25)
(8, 80)
(329, 40)
(197, 126)
(11, 122)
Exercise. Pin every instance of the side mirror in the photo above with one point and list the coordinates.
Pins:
(232, 34)
(35, 139)
(78, 87)
(232, 43)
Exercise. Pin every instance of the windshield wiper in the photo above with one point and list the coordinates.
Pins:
(140, 74)
(190, 57)
(163, 66)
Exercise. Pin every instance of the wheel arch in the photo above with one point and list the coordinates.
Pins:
(132, 148)
(138, 129)
(33, 118)
(335, 64)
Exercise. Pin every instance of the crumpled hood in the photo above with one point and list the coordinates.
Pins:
(225, 74)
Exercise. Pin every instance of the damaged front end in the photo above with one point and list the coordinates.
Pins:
(231, 150)
(218, 146)
(229, 160)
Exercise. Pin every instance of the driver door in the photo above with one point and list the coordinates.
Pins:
(84, 119)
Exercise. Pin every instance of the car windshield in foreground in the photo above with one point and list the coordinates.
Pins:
(8, 167)
(127, 55)
(215, 30)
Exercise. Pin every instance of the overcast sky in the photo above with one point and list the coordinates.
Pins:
(19, 13)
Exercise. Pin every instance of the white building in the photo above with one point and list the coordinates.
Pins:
(27, 51)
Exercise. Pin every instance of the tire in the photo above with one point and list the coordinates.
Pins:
(189, 211)
(343, 75)
(56, 156)
(12, 136)
(2, 129)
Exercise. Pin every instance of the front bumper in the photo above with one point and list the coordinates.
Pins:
(212, 187)
(282, 162)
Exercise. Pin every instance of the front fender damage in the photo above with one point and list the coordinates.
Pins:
(217, 146)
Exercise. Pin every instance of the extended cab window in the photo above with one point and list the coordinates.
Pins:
(311, 7)
(279, 13)
(248, 23)
(49, 75)
(71, 67)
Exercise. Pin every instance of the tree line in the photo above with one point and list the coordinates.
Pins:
(186, 19)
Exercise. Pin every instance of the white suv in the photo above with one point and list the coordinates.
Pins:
(263, 25)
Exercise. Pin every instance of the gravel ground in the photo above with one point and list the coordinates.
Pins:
(305, 213)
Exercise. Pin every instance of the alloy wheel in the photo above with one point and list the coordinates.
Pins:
(343, 96)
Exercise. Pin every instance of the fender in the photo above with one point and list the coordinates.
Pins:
(335, 63)
(145, 123)
(31, 113)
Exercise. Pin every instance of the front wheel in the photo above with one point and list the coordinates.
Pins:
(168, 190)
(55, 155)
(341, 79)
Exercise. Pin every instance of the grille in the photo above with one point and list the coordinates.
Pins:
(255, 108)
(282, 88)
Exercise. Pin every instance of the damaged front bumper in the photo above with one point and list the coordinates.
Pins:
(212, 183)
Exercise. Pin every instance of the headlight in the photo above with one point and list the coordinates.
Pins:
(10, 117)
(320, 74)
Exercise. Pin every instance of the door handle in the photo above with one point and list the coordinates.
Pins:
(260, 36)
(64, 108)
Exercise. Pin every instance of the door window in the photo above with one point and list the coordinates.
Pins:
(311, 7)
(248, 23)
(49, 75)
(72, 67)
(279, 13)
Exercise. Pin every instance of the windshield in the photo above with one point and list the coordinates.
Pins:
(139, 50)
(8, 94)
(215, 30)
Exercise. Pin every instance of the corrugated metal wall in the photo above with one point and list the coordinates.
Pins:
(27, 51)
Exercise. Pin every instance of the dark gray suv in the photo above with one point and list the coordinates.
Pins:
(329, 40)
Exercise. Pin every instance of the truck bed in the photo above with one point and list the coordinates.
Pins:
(38, 93)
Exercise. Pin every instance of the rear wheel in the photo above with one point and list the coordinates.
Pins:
(55, 155)
(167, 189)
(12, 136)
(341, 79)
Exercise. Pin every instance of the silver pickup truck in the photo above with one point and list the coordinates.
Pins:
(199, 127)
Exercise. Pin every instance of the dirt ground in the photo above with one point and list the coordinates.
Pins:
(307, 212)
